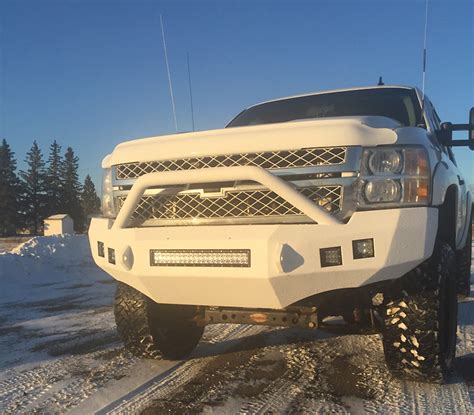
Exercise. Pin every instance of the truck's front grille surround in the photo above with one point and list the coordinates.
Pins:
(269, 160)
(234, 204)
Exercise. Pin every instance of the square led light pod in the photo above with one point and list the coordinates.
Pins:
(330, 257)
(111, 255)
(101, 249)
(363, 248)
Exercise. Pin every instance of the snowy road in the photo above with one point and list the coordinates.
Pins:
(59, 353)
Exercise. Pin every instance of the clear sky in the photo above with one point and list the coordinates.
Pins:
(91, 74)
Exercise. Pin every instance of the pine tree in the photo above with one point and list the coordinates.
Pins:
(71, 189)
(34, 189)
(53, 179)
(9, 192)
(90, 202)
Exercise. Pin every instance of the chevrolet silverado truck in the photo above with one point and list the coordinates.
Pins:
(341, 210)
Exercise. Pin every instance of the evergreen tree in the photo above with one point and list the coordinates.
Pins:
(9, 192)
(53, 179)
(90, 202)
(71, 189)
(34, 189)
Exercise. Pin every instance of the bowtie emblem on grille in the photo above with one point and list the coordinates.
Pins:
(213, 194)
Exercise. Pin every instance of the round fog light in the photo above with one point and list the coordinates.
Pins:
(127, 258)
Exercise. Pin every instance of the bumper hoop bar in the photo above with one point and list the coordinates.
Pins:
(241, 173)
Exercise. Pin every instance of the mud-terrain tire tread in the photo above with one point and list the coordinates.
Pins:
(412, 335)
(137, 326)
(463, 264)
(131, 317)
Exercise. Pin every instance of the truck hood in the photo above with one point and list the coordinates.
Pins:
(323, 132)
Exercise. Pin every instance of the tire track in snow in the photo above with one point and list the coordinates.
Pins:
(341, 376)
(63, 384)
(166, 383)
(42, 386)
(348, 375)
(276, 397)
(338, 374)
(81, 387)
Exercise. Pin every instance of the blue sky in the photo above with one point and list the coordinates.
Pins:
(91, 74)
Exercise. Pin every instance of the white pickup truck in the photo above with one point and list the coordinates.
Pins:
(340, 210)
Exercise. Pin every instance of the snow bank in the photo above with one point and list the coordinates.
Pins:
(60, 248)
(47, 254)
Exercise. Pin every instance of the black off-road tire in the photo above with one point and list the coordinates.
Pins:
(463, 264)
(147, 332)
(419, 334)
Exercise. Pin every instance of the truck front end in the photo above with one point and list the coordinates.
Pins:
(316, 209)
(278, 222)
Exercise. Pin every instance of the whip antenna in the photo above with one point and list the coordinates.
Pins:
(424, 55)
(190, 89)
(169, 74)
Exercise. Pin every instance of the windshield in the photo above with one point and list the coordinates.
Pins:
(397, 103)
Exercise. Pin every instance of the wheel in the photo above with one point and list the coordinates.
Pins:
(463, 264)
(419, 333)
(154, 331)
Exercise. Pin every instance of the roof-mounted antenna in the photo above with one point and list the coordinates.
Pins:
(424, 56)
(169, 74)
(190, 89)
(380, 83)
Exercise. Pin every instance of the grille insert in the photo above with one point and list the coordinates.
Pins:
(267, 160)
(235, 204)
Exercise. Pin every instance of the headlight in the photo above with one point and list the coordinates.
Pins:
(392, 177)
(108, 209)
(385, 162)
(382, 191)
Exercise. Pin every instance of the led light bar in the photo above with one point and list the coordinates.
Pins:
(200, 257)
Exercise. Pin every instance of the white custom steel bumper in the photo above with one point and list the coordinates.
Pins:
(285, 259)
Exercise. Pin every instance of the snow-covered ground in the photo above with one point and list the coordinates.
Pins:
(59, 353)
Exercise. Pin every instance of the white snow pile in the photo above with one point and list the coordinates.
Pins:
(46, 254)
(61, 246)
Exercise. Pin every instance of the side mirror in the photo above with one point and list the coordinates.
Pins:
(445, 135)
(471, 127)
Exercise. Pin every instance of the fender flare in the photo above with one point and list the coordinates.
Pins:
(442, 179)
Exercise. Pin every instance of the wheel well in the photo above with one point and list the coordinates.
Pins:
(447, 218)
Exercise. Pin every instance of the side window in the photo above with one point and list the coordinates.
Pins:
(436, 119)
(437, 126)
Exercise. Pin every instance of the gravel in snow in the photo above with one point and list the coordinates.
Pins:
(59, 353)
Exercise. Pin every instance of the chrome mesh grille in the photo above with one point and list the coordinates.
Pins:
(268, 160)
(235, 204)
